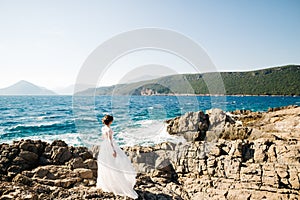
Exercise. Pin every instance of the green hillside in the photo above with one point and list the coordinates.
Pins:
(283, 80)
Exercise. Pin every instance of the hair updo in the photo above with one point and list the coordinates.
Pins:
(107, 119)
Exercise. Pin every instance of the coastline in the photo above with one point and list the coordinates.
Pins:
(237, 95)
(265, 162)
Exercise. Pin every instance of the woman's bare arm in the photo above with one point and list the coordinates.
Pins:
(110, 139)
(111, 143)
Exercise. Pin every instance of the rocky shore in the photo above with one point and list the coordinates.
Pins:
(236, 155)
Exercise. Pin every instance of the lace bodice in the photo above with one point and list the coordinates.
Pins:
(106, 132)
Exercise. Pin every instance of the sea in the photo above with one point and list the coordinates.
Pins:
(138, 120)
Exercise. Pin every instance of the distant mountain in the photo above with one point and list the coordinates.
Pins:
(140, 78)
(145, 73)
(25, 88)
(282, 80)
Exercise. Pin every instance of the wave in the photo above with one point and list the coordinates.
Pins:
(70, 138)
(90, 119)
(145, 122)
(45, 117)
(67, 126)
(41, 118)
(150, 133)
(9, 123)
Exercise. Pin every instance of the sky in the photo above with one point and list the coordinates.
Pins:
(46, 42)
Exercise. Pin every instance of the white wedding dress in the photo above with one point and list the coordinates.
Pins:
(115, 174)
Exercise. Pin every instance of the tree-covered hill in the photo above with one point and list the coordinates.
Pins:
(284, 80)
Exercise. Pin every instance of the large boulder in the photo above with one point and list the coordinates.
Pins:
(215, 124)
(60, 154)
(192, 125)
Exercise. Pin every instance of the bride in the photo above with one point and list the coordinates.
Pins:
(115, 171)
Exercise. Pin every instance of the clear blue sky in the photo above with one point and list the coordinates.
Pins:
(46, 42)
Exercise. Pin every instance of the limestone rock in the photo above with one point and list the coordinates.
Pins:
(29, 156)
(22, 179)
(76, 163)
(84, 173)
(197, 126)
(60, 154)
(192, 125)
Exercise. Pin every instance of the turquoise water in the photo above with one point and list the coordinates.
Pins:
(138, 119)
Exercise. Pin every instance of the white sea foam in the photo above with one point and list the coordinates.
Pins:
(145, 122)
(41, 118)
(94, 119)
(152, 132)
(37, 124)
(70, 138)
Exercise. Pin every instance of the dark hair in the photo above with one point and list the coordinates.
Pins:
(107, 119)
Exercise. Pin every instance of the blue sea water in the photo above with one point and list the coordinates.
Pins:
(138, 119)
